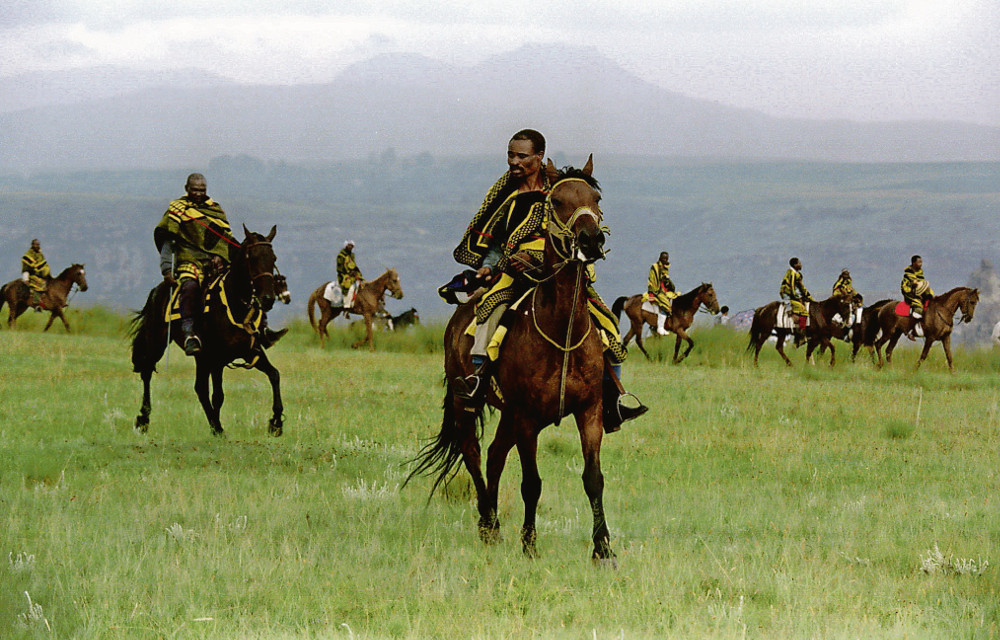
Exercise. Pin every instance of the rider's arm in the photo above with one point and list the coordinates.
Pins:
(491, 260)
(167, 258)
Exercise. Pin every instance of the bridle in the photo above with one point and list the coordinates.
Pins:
(246, 251)
(564, 240)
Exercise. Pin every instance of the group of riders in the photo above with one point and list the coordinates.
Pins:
(914, 287)
(504, 245)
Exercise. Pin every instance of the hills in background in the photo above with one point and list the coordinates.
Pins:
(409, 104)
(731, 223)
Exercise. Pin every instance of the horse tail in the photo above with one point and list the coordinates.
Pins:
(144, 329)
(3, 297)
(617, 307)
(757, 330)
(310, 309)
(441, 456)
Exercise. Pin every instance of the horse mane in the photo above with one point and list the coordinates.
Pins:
(686, 298)
(573, 172)
(65, 272)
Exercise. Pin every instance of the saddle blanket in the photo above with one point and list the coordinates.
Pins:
(333, 294)
(650, 307)
(786, 319)
(904, 310)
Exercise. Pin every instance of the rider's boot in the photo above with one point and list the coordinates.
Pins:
(473, 387)
(268, 337)
(615, 412)
(800, 331)
(661, 323)
(190, 294)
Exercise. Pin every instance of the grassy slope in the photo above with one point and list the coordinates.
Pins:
(773, 502)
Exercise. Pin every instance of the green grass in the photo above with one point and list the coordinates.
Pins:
(773, 502)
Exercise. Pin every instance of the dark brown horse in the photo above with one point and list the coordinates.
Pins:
(939, 316)
(682, 316)
(249, 286)
(859, 334)
(823, 325)
(551, 366)
(367, 302)
(17, 296)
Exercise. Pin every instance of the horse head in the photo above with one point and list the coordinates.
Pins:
(968, 305)
(257, 255)
(392, 284)
(843, 305)
(706, 294)
(574, 219)
(78, 275)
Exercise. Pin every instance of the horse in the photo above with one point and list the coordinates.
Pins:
(367, 302)
(551, 367)
(823, 326)
(682, 316)
(17, 296)
(248, 286)
(403, 320)
(939, 316)
(859, 337)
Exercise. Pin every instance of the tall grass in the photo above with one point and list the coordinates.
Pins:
(772, 502)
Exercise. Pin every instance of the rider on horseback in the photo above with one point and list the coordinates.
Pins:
(504, 241)
(35, 273)
(661, 291)
(916, 291)
(348, 274)
(794, 290)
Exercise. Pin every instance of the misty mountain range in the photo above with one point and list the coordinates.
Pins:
(582, 101)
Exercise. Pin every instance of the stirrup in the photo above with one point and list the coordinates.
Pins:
(467, 387)
(623, 413)
(192, 345)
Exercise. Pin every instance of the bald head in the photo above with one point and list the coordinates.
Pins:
(196, 187)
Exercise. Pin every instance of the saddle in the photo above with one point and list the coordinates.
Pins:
(904, 310)
(788, 320)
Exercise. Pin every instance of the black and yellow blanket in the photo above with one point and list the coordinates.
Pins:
(197, 231)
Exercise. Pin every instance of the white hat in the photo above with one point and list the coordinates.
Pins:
(347, 242)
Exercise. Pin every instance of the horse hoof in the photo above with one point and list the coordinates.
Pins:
(275, 427)
(141, 423)
(217, 430)
(490, 535)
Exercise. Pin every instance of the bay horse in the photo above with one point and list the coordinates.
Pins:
(681, 317)
(249, 286)
(367, 302)
(551, 367)
(823, 326)
(939, 316)
(17, 296)
(859, 338)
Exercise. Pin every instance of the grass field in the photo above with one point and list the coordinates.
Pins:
(772, 503)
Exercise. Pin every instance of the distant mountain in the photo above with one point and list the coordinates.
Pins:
(582, 101)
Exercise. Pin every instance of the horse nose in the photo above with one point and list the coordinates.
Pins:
(592, 244)
(267, 302)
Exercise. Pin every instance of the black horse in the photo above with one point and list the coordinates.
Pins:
(249, 289)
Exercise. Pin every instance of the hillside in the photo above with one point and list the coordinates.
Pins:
(581, 100)
(733, 224)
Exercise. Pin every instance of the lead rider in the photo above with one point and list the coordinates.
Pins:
(505, 241)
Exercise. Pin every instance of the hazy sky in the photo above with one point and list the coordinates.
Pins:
(856, 59)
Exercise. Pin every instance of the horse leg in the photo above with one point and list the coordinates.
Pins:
(52, 316)
(780, 346)
(275, 426)
(325, 317)
(833, 353)
(202, 374)
(928, 343)
(682, 335)
(142, 420)
(591, 432)
(496, 458)
(531, 485)
(218, 395)
(946, 343)
(893, 339)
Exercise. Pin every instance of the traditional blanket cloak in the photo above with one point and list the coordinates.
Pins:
(189, 227)
(347, 270)
(914, 287)
(38, 269)
(844, 287)
(505, 227)
(793, 288)
(659, 288)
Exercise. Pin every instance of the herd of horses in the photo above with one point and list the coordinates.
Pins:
(554, 358)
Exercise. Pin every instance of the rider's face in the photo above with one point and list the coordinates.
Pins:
(522, 160)
(197, 191)
(36, 245)
(918, 263)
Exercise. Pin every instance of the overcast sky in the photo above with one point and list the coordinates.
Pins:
(856, 59)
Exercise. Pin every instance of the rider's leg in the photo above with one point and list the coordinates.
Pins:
(613, 394)
(661, 321)
(189, 279)
(473, 387)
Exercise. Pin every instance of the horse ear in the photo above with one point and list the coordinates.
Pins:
(588, 169)
(246, 232)
(550, 171)
(274, 230)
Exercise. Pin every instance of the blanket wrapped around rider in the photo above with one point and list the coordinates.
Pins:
(196, 231)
